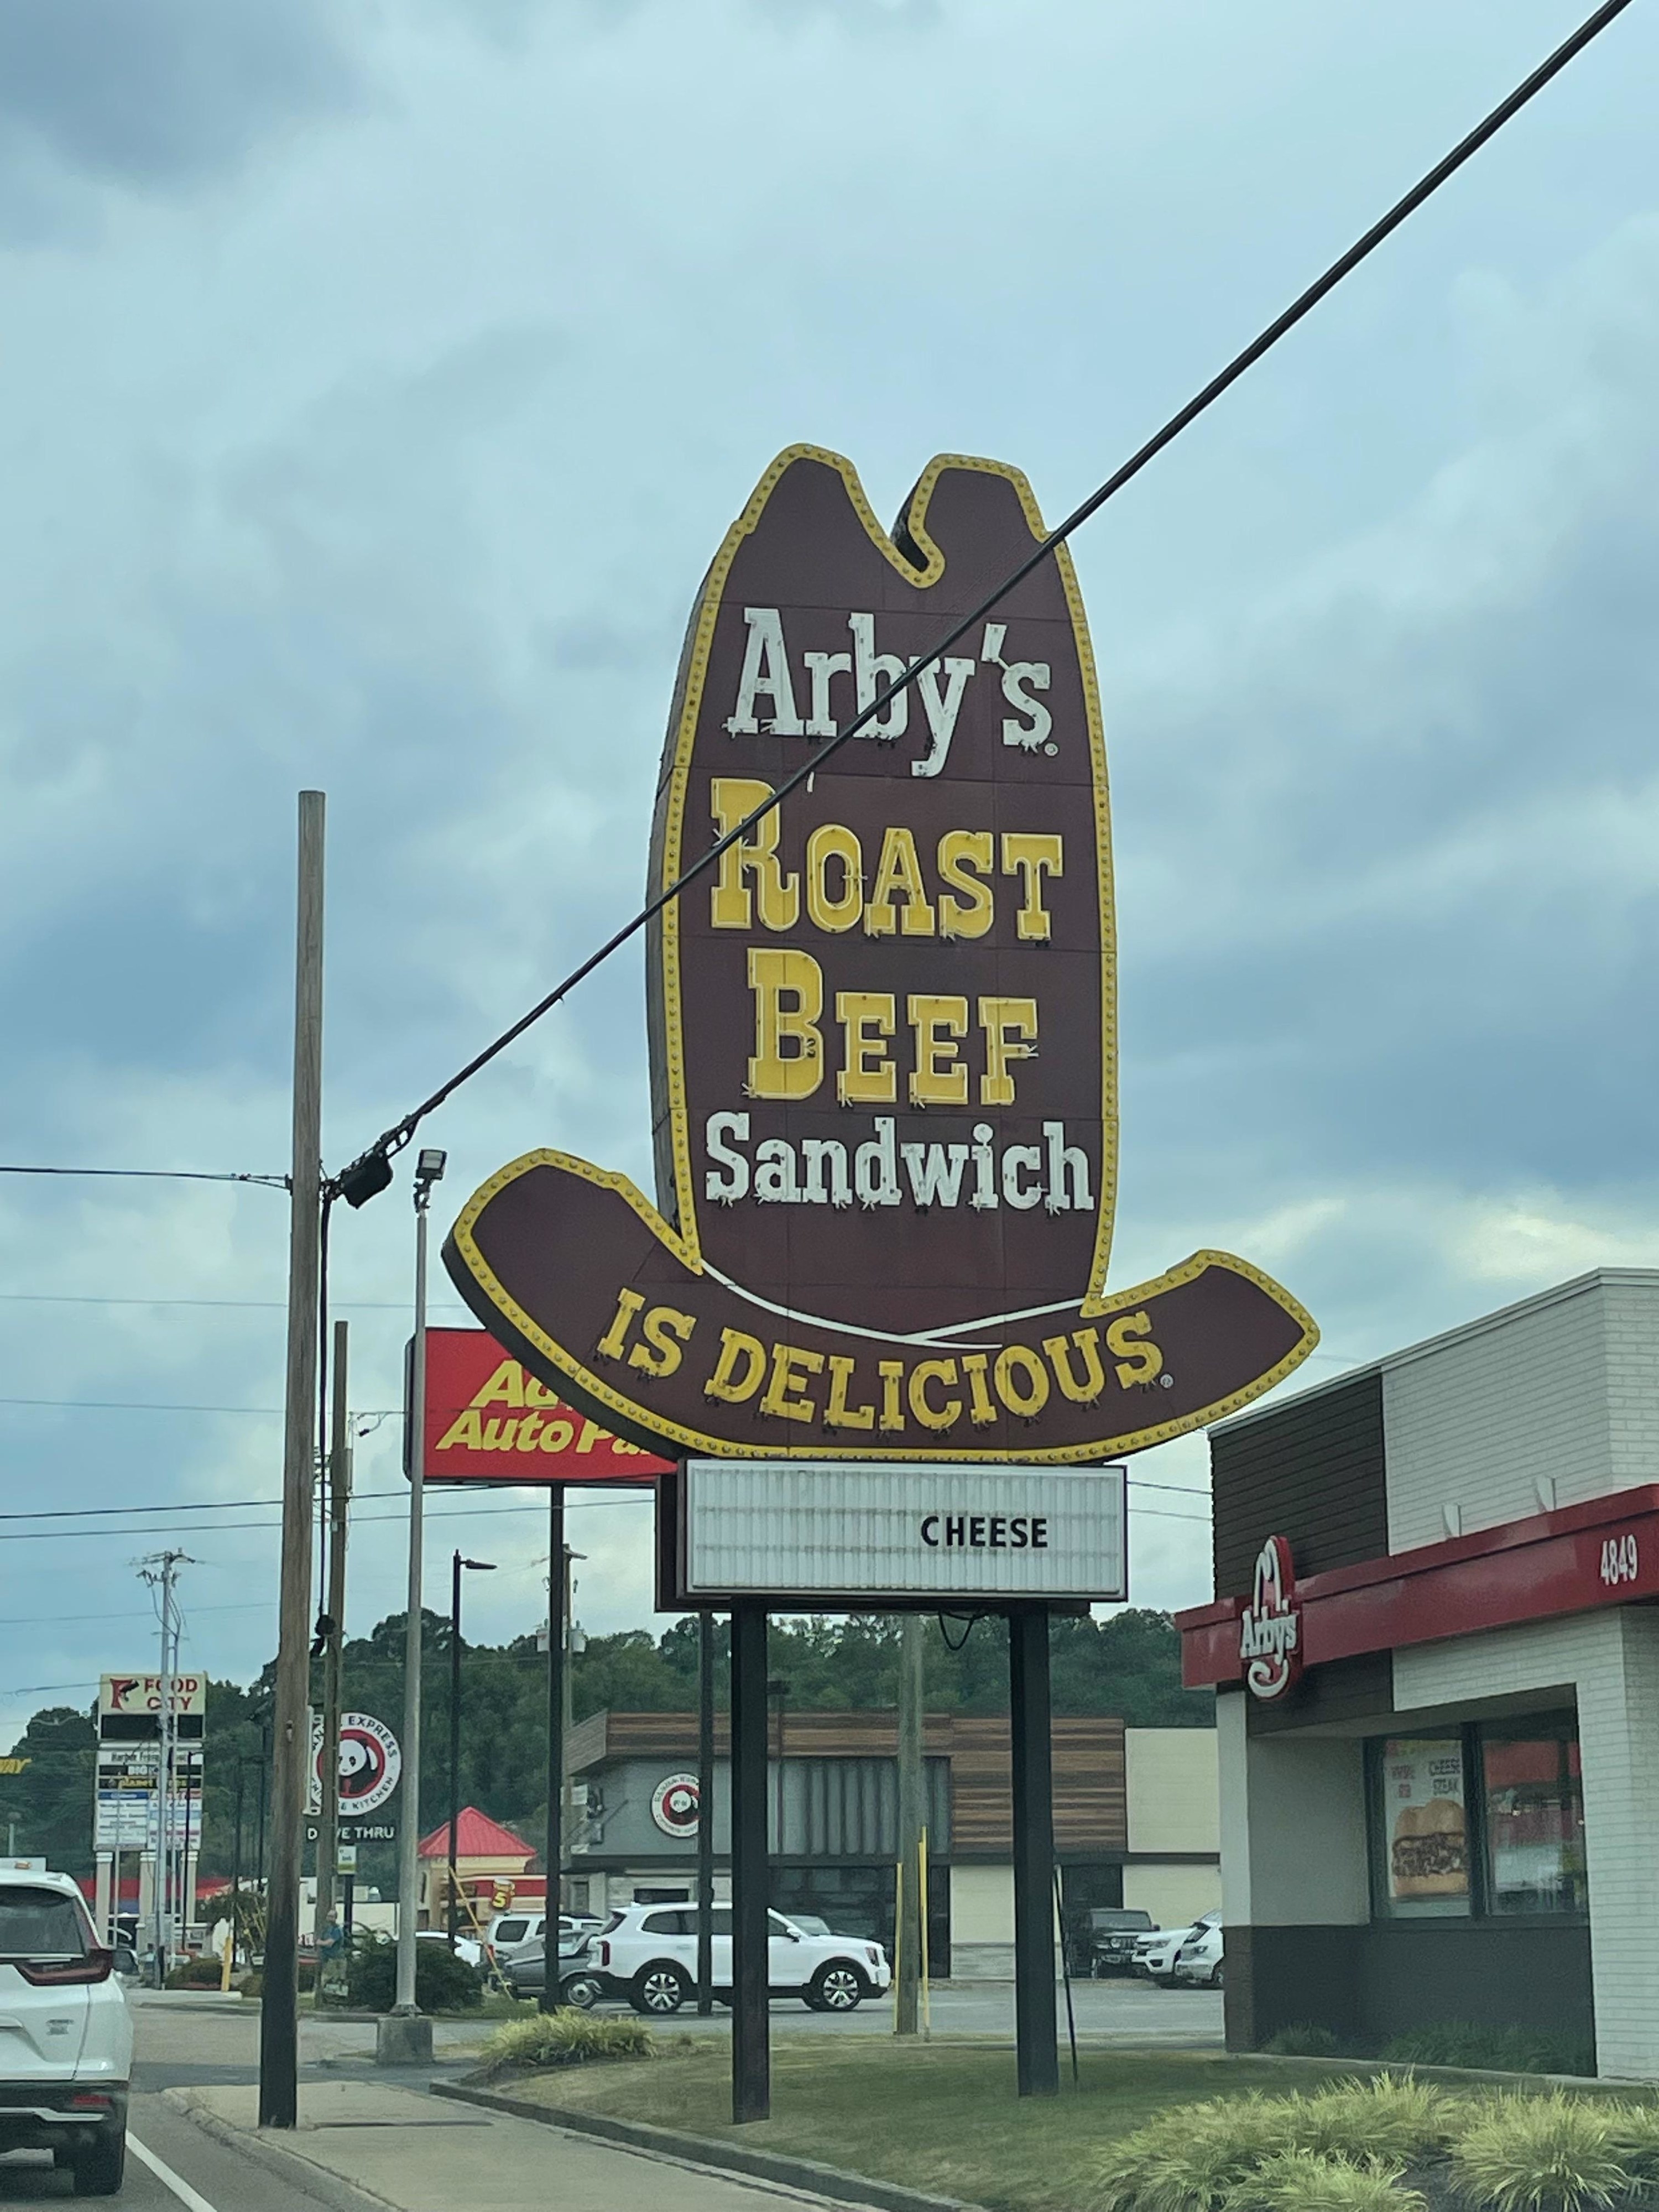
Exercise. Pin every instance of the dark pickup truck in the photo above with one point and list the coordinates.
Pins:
(1110, 1938)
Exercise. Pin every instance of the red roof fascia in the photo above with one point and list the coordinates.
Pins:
(477, 1837)
(1540, 1566)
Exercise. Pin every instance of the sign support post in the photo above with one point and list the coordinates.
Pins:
(705, 1812)
(751, 2055)
(553, 1853)
(1036, 2033)
(911, 1818)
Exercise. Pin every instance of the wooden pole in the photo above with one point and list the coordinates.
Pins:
(279, 2026)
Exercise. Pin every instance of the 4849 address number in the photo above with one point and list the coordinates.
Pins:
(1619, 1560)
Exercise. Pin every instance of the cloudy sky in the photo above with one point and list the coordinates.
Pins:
(378, 380)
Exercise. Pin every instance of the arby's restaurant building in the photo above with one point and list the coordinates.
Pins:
(1435, 1649)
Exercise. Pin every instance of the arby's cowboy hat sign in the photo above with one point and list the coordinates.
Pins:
(883, 1038)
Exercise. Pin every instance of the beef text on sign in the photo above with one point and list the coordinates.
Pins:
(883, 1037)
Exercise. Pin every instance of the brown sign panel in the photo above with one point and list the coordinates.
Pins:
(883, 1037)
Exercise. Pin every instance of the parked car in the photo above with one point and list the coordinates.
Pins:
(648, 1954)
(514, 1935)
(466, 1946)
(1155, 1954)
(66, 2060)
(579, 1985)
(1109, 1937)
(1199, 1958)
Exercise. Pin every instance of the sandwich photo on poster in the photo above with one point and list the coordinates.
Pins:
(1425, 1821)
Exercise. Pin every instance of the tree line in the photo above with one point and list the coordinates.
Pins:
(1128, 1664)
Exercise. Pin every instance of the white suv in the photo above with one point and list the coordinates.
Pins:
(1155, 1954)
(648, 1954)
(1201, 1957)
(66, 2056)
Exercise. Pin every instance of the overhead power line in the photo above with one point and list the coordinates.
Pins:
(262, 1504)
(154, 1174)
(371, 1172)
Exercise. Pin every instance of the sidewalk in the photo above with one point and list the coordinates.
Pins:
(417, 2155)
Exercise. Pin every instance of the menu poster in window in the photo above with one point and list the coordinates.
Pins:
(1424, 1817)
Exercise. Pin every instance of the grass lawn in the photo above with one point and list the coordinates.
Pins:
(935, 2116)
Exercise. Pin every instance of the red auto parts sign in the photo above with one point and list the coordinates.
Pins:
(884, 1038)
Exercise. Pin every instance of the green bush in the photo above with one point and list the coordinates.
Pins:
(443, 1980)
(1505, 2049)
(1192, 2158)
(1554, 2154)
(1636, 2128)
(1306, 2181)
(566, 2038)
(1397, 2121)
(1305, 2038)
(205, 1973)
(253, 1984)
(1276, 2154)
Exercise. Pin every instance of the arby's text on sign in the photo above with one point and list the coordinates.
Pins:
(883, 1038)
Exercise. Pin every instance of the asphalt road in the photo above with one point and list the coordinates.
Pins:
(190, 2042)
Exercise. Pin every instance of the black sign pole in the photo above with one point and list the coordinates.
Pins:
(752, 2057)
(705, 1812)
(1035, 2031)
(555, 1850)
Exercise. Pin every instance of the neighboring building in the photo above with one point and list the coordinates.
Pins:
(1134, 1821)
(485, 1853)
(1451, 1815)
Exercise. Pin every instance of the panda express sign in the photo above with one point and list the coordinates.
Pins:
(883, 1038)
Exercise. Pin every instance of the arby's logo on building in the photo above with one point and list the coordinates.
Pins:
(1270, 1628)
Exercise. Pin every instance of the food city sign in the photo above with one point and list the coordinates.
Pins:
(1270, 1626)
(883, 1038)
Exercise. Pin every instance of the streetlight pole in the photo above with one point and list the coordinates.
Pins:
(333, 1625)
(398, 2046)
(459, 1565)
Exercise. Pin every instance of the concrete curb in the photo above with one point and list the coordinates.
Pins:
(292, 2166)
(805, 2174)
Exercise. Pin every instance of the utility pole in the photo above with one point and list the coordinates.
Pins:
(911, 1818)
(402, 2037)
(279, 2022)
(160, 1572)
(340, 1509)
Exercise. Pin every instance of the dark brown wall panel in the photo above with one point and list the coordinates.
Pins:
(1090, 1812)
(1311, 1471)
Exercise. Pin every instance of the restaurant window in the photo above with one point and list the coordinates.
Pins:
(1420, 1824)
(1534, 1816)
(1485, 1819)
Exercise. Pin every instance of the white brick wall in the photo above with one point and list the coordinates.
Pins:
(1292, 1827)
(1610, 1659)
(1561, 1391)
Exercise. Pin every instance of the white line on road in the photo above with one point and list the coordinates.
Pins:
(192, 2199)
